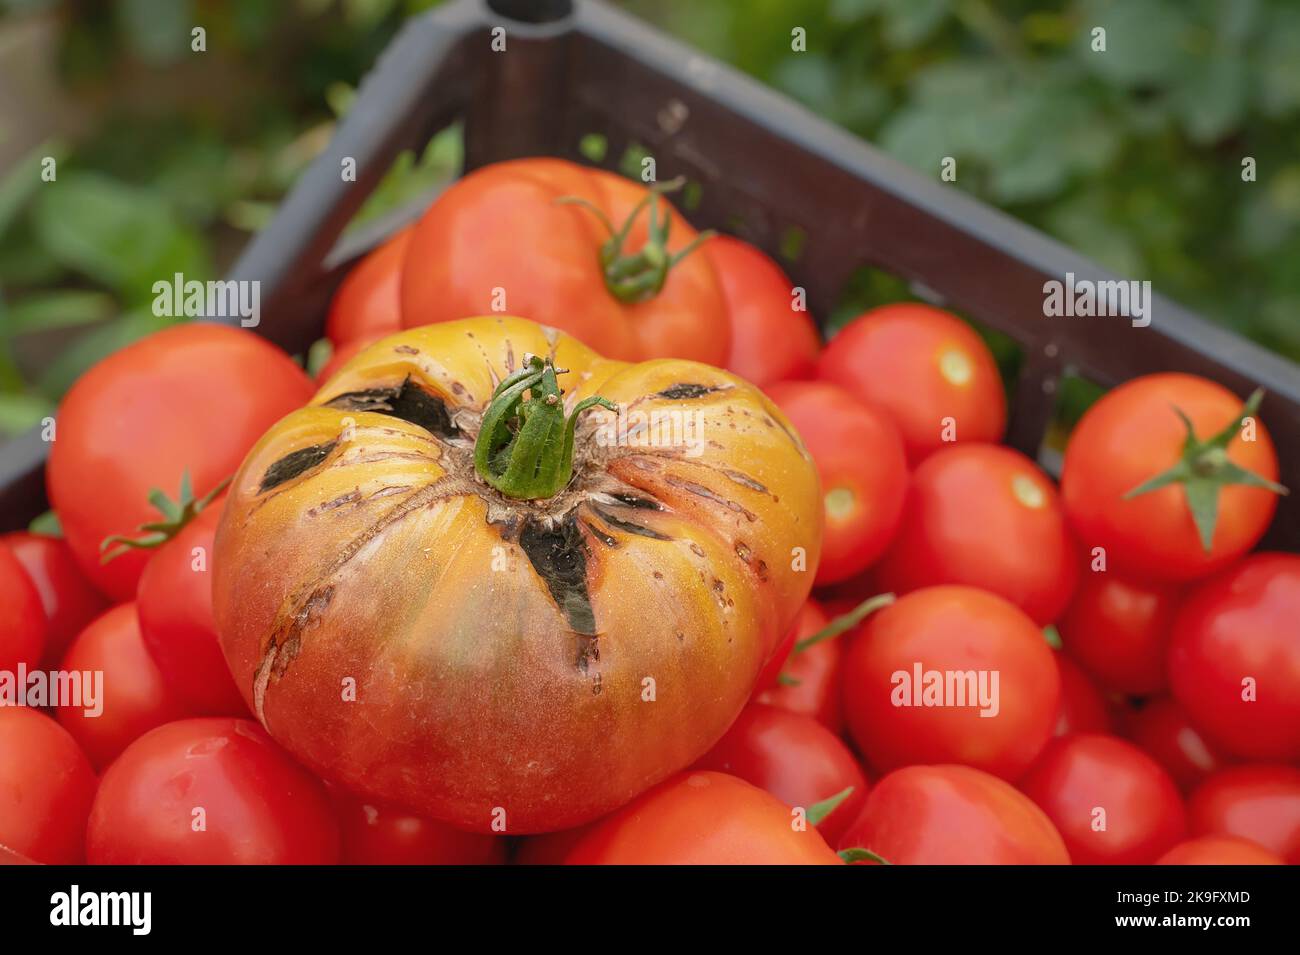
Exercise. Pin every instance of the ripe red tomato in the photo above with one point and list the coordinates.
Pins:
(1164, 732)
(368, 303)
(929, 370)
(1118, 630)
(22, 618)
(374, 834)
(702, 818)
(771, 341)
(1234, 659)
(1083, 709)
(793, 757)
(501, 241)
(810, 619)
(809, 682)
(135, 695)
(1218, 850)
(921, 673)
(984, 516)
(193, 398)
(1260, 802)
(863, 472)
(176, 620)
(342, 355)
(1135, 433)
(69, 601)
(210, 792)
(46, 785)
(1110, 801)
(953, 815)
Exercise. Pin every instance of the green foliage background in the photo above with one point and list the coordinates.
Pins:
(1132, 156)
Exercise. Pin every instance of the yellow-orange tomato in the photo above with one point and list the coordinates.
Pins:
(409, 630)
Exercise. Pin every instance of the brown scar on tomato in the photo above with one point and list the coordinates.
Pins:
(558, 554)
(685, 390)
(294, 464)
(408, 401)
(745, 480)
(285, 643)
(699, 490)
(630, 526)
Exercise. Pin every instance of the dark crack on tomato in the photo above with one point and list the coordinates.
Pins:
(745, 480)
(630, 526)
(607, 539)
(408, 401)
(293, 464)
(558, 554)
(631, 500)
(685, 390)
(699, 490)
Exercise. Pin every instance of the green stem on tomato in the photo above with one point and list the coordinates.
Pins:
(845, 621)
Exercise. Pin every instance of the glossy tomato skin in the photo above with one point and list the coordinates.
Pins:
(1162, 729)
(771, 340)
(374, 834)
(863, 472)
(69, 600)
(1083, 708)
(193, 398)
(22, 617)
(1079, 776)
(46, 787)
(136, 697)
(926, 368)
(1259, 802)
(1134, 433)
(1234, 658)
(953, 815)
(984, 516)
(702, 818)
(257, 806)
(176, 620)
(342, 355)
(1117, 629)
(1218, 850)
(951, 630)
(813, 677)
(499, 231)
(368, 303)
(794, 758)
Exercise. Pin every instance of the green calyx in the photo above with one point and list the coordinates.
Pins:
(525, 445)
(175, 515)
(637, 277)
(1204, 469)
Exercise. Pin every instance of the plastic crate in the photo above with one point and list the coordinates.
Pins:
(763, 166)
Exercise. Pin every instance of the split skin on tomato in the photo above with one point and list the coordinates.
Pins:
(1162, 729)
(1259, 802)
(189, 399)
(1218, 850)
(1137, 434)
(69, 600)
(1234, 658)
(46, 787)
(410, 613)
(22, 617)
(926, 368)
(953, 815)
(532, 237)
(210, 791)
(376, 834)
(368, 303)
(984, 516)
(987, 696)
(1111, 802)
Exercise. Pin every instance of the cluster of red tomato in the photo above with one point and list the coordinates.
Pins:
(1165, 727)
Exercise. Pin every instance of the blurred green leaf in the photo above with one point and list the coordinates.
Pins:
(21, 412)
(93, 347)
(44, 311)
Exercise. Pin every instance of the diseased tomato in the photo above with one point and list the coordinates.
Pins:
(69, 601)
(535, 237)
(1118, 630)
(1234, 658)
(1218, 850)
(1110, 801)
(1083, 709)
(189, 399)
(1127, 467)
(46, 785)
(984, 516)
(771, 340)
(1163, 731)
(386, 835)
(22, 618)
(929, 370)
(1260, 802)
(863, 472)
(210, 791)
(702, 818)
(950, 675)
(953, 815)
(132, 695)
(444, 615)
(177, 624)
(796, 759)
(809, 682)
(368, 303)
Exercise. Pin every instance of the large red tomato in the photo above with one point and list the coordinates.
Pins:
(375, 834)
(1162, 729)
(368, 303)
(1260, 802)
(953, 815)
(1219, 850)
(535, 237)
(189, 399)
(210, 792)
(1138, 433)
(771, 340)
(951, 675)
(46, 785)
(863, 471)
(926, 368)
(1234, 659)
(69, 600)
(22, 618)
(702, 818)
(984, 516)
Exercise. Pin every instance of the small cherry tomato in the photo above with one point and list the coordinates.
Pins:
(1218, 850)
(46, 787)
(22, 617)
(368, 303)
(1161, 729)
(69, 600)
(809, 683)
(810, 619)
(374, 834)
(1083, 708)
(1260, 802)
